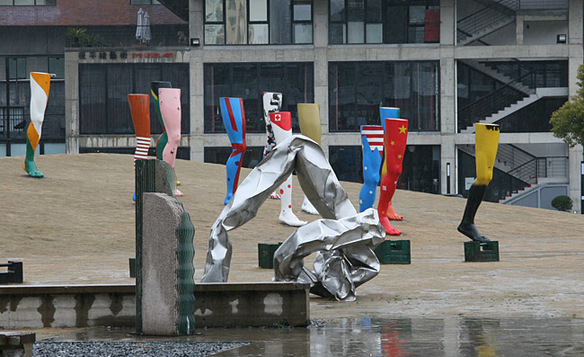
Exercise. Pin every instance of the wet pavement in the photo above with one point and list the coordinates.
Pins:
(527, 304)
(455, 336)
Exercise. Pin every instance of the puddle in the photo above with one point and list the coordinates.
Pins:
(457, 336)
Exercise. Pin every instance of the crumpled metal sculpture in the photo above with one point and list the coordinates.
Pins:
(344, 258)
(343, 239)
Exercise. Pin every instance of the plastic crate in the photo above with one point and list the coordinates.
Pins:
(266, 254)
(394, 252)
(481, 252)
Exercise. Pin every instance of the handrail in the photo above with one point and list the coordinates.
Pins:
(492, 102)
(534, 169)
(493, 12)
(516, 148)
(530, 176)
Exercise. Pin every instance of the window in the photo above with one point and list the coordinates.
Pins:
(17, 68)
(219, 155)
(57, 66)
(358, 89)
(384, 21)
(347, 162)
(103, 90)
(248, 81)
(13, 119)
(144, 2)
(28, 2)
(480, 95)
(421, 169)
(257, 22)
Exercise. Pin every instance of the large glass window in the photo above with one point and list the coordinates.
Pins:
(347, 162)
(420, 167)
(358, 89)
(15, 101)
(487, 87)
(12, 122)
(384, 21)
(104, 89)
(295, 80)
(17, 68)
(57, 66)
(219, 155)
(253, 22)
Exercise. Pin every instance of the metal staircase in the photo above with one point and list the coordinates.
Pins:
(528, 172)
(520, 104)
(495, 15)
(512, 161)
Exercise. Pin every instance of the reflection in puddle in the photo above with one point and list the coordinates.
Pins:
(448, 337)
(455, 336)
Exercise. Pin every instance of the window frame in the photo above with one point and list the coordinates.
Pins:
(368, 13)
(220, 25)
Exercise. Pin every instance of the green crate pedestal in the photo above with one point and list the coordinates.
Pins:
(394, 252)
(266, 254)
(481, 252)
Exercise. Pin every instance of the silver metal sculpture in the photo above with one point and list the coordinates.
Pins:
(343, 240)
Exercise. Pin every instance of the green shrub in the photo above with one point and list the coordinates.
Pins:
(562, 203)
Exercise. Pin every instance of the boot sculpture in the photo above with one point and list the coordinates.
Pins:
(40, 83)
(486, 144)
(140, 111)
(170, 110)
(234, 120)
(395, 138)
(389, 112)
(282, 128)
(272, 102)
(309, 119)
(163, 138)
(372, 141)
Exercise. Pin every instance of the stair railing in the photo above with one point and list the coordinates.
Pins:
(493, 12)
(493, 102)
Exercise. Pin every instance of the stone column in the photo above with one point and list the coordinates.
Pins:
(168, 300)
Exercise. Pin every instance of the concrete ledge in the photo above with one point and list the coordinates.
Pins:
(217, 304)
(16, 343)
(258, 304)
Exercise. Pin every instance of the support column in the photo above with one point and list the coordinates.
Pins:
(197, 85)
(575, 41)
(72, 102)
(448, 114)
(320, 38)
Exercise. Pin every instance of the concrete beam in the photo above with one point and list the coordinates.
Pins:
(217, 305)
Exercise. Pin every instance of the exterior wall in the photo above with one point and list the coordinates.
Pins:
(84, 13)
(75, 139)
(513, 41)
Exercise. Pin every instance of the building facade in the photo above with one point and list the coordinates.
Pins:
(34, 36)
(446, 64)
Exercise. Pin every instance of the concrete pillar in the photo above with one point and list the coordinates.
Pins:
(168, 300)
(576, 57)
(448, 113)
(197, 85)
(447, 22)
(320, 39)
(72, 102)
